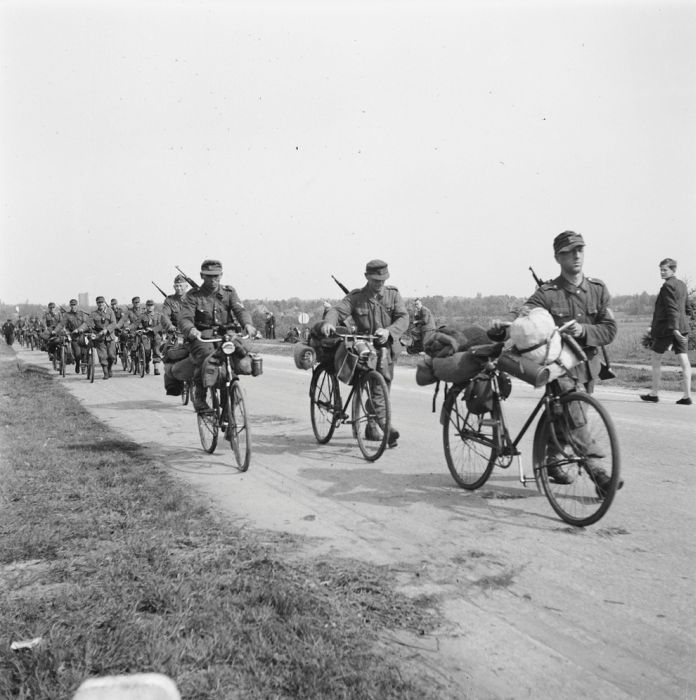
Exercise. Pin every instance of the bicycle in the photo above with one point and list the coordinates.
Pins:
(228, 414)
(327, 410)
(61, 353)
(575, 453)
(90, 356)
(137, 353)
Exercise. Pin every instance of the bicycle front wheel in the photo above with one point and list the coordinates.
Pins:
(576, 459)
(123, 353)
(469, 440)
(186, 393)
(325, 404)
(141, 360)
(63, 360)
(209, 422)
(371, 414)
(89, 359)
(237, 432)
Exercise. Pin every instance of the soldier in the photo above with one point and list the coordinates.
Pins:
(378, 310)
(103, 323)
(8, 329)
(72, 322)
(129, 317)
(584, 303)
(150, 321)
(172, 305)
(270, 326)
(118, 331)
(51, 318)
(423, 321)
(202, 312)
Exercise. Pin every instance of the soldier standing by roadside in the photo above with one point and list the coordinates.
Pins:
(270, 326)
(73, 323)
(377, 310)
(103, 323)
(203, 311)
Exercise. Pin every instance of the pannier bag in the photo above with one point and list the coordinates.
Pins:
(212, 372)
(347, 359)
(478, 394)
(304, 356)
(242, 365)
(528, 370)
(325, 348)
(172, 385)
(183, 369)
(174, 353)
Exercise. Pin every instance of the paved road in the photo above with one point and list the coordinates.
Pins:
(534, 608)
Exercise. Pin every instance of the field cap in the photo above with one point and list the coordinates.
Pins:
(211, 267)
(100, 299)
(149, 302)
(136, 300)
(377, 270)
(114, 301)
(567, 241)
(73, 302)
(51, 305)
(179, 278)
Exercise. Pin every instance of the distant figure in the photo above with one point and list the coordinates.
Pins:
(8, 329)
(670, 329)
(293, 335)
(270, 326)
(423, 321)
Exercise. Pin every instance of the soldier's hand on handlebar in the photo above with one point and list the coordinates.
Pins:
(194, 334)
(382, 336)
(327, 329)
(574, 328)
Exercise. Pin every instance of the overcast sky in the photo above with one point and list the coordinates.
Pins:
(295, 140)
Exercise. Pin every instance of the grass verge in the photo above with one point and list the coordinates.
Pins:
(118, 568)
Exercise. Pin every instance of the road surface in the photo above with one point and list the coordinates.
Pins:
(533, 607)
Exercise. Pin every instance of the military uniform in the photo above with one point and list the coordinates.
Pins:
(171, 309)
(150, 320)
(370, 312)
(206, 310)
(588, 304)
(73, 321)
(103, 323)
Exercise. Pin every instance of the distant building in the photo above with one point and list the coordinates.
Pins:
(83, 299)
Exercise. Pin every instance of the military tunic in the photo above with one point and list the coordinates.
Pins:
(171, 310)
(372, 312)
(206, 310)
(588, 304)
(99, 321)
(151, 321)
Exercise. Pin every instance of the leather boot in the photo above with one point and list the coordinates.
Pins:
(105, 370)
(200, 405)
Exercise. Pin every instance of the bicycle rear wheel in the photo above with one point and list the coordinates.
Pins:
(209, 422)
(581, 478)
(237, 432)
(370, 430)
(325, 404)
(469, 440)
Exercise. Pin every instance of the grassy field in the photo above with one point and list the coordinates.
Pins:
(117, 568)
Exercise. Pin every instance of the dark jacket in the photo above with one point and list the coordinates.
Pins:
(671, 309)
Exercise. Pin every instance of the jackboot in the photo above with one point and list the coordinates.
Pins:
(200, 405)
(106, 372)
